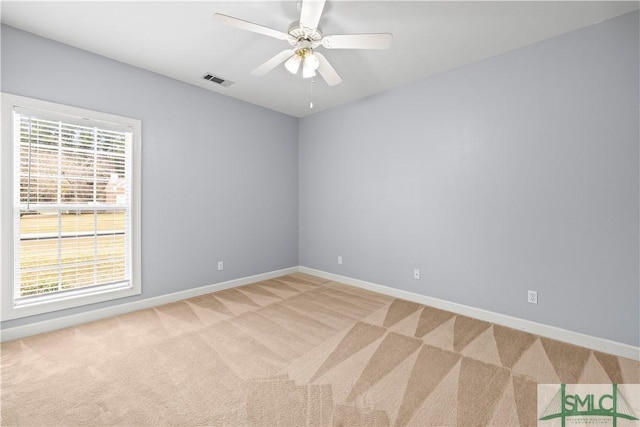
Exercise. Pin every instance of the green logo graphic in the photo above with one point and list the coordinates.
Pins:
(564, 405)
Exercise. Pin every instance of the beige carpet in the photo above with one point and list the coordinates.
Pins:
(294, 351)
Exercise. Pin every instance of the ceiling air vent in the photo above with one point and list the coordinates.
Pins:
(217, 79)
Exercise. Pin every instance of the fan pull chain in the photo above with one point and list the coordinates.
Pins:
(311, 94)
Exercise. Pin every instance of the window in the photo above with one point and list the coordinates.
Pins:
(70, 207)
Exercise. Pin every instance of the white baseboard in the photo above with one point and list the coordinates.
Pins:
(18, 332)
(576, 338)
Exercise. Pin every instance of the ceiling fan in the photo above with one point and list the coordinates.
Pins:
(304, 37)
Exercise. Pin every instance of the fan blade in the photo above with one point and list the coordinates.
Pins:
(310, 13)
(273, 62)
(249, 26)
(326, 70)
(358, 41)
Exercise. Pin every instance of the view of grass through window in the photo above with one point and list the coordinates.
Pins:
(69, 250)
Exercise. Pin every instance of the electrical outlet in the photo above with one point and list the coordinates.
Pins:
(220, 265)
(416, 273)
(532, 297)
(339, 260)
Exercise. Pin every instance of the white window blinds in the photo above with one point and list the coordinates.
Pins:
(72, 205)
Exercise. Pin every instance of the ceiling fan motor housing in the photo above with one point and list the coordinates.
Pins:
(298, 35)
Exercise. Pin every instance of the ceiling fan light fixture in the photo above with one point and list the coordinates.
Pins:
(293, 64)
(309, 68)
(310, 60)
(310, 63)
(308, 72)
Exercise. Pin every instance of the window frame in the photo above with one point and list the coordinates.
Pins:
(8, 308)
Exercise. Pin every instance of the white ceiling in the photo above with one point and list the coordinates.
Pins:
(181, 40)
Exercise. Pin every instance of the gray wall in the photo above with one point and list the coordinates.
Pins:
(219, 176)
(518, 172)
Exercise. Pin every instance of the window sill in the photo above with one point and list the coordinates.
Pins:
(31, 306)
